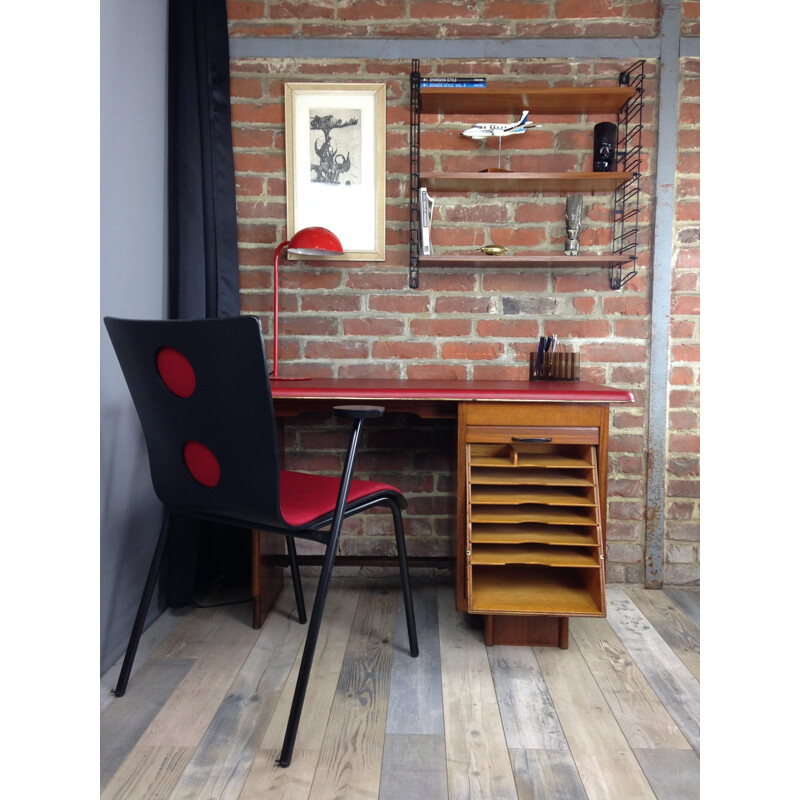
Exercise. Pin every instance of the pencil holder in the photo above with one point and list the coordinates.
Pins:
(559, 366)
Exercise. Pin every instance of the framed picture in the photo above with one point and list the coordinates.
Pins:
(336, 164)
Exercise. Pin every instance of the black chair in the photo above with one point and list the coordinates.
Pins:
(202, 393)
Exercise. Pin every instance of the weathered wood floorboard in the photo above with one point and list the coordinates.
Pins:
(674, 685)
(415, 693)
(124, 720)
(639, 713)
(614, 716)
(674, 627)
(352, 750)
(478, 762)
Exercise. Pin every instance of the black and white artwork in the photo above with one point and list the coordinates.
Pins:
(335, 141)
(336, 164)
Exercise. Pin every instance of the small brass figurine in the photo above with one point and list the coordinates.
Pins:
(493, 250)
(574, 213)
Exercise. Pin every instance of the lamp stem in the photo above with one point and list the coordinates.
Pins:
(280, 248)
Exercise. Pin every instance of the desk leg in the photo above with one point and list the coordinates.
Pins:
(527, 631)
(267, 580)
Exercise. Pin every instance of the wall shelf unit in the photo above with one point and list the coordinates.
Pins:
(531, 259)
(625, 100)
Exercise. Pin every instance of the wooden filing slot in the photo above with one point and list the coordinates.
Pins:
(534, 538)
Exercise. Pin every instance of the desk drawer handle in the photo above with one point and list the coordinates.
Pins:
(538, 439)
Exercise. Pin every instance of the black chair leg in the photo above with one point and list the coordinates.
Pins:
(144, 606)
(404, 579)
(298, 586)
(308, 653)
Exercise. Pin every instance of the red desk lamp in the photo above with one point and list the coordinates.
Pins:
(306, 242)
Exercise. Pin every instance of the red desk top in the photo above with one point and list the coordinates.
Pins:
(463, 391)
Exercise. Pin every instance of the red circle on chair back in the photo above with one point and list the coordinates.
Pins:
(176, 371)
(202, 464)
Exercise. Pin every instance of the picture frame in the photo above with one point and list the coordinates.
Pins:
(336, 164)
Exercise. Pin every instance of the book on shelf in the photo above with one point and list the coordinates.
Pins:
(453, 83)
(426, 203)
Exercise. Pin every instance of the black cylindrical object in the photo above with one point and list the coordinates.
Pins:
(605, 147)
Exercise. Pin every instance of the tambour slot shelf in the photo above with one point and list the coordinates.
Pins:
(533, 534)
(550, 515)
(534, 554)
(515, 495)
(528, 476)
(535, 590)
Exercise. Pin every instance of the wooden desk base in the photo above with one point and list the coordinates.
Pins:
(441, 400)
(528, 631)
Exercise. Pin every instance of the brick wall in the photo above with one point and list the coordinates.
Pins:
(444, 19)
(361, 319)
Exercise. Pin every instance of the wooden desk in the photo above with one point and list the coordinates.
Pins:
(474, 405)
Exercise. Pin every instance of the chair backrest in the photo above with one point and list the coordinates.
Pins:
(201, 391)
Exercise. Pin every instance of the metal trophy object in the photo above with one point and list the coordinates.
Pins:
(574, 214)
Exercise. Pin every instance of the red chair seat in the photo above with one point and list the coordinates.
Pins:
(305, 497)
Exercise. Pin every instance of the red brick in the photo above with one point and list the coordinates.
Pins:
(471, 351)
(403, 350)
(579, 329)
(372, 326)
(440, 328)
(400, 304)
(511, 281)
(508, 329)
(438, 371)
(587, 9)
(682, 376)
(245, 9)
(613, 351)
(337, 349)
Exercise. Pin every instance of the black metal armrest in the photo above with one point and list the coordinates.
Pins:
(358, 412)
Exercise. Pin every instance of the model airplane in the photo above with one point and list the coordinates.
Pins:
(483, 130)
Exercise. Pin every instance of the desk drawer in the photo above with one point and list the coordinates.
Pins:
(534, 542)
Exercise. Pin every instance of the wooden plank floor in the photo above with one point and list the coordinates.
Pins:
(614, 716)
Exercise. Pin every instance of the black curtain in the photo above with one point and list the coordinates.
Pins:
(203, 256)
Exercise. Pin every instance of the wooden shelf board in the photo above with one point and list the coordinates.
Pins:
(514, 99)
(532, 590)
(549, 515)
(521, 476)
(532, 534)
(529, 259)
(523, 181)
(551, 556)
(483, 457)
(508, 495)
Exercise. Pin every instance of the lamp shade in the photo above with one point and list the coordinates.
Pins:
(315, 241)
(312, 241)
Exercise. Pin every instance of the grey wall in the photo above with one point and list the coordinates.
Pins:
(133, 275)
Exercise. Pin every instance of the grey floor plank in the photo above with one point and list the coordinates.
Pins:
(415, 692)
(151, 639)
(673, 774)
(460, 721)
(223, 759)
(414, 766)
(668, 676)
(478, 762)
(125, 719)
(674, 627)
(546, 775)
(529, 719)
(639, 713)
(688, 600)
